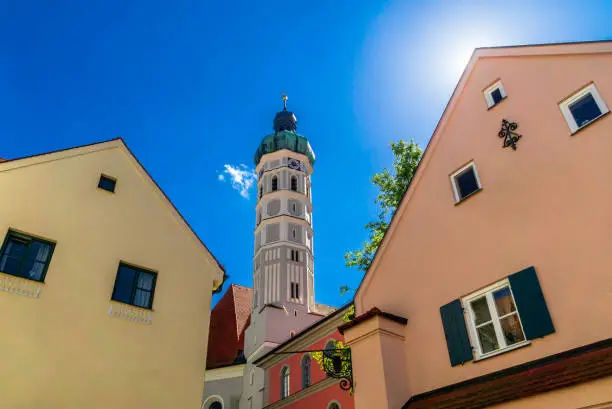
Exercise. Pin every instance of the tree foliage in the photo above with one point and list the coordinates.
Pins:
(391, 186)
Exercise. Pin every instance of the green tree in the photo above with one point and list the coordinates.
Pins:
(391, 186)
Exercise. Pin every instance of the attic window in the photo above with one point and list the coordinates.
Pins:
(107, 183)
(465, 182)
(584, 107)
(494, 94)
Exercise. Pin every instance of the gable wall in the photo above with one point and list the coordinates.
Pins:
(546, 205)
(66, 337)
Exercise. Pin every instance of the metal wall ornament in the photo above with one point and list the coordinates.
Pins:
(507, 132)
(337, 364)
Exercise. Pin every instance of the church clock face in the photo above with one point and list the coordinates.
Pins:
(293, 164)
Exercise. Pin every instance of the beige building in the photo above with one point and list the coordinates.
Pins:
(104, 287)
(493, 284)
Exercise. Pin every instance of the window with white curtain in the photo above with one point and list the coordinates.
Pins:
(135, 286)
(26, 256)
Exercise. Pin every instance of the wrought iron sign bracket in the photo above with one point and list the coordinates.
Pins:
(507, 132)
(336, 363)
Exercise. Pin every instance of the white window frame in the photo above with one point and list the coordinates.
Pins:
(288, 391)
(567, 114)
(456, 192)
(488, 93)
(495, 318)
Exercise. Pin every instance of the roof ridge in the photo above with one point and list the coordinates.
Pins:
(543, 44)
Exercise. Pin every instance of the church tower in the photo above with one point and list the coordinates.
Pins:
(283, 266)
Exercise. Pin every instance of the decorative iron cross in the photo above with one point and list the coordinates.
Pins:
(507, 132)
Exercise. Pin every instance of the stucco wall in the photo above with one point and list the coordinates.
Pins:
(544, 205)
(227, 391)
(63, 350)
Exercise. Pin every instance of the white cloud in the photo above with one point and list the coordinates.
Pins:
(241, 177)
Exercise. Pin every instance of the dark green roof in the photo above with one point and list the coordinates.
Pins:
(284, 140)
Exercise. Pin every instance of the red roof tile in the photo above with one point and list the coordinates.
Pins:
(228, 321)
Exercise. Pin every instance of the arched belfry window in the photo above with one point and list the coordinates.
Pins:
(284, 378)
(306, 371)
(274, 183)
(260, 191)
(294, 183)
(333, 405)
(216, 405)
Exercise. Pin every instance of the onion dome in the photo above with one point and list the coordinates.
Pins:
(285, 137)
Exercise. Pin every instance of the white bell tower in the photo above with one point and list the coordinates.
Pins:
(283, 266)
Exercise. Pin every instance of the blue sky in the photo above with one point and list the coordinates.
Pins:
(193, 86)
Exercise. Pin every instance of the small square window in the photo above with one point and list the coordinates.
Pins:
(465, 182)
(134, 286)
(107, 183)
(25, 256)
(583, 107)
(494, 94)
(493, 320)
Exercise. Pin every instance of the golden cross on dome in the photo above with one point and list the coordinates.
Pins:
(285, 98)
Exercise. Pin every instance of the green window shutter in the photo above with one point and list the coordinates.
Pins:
(531, 304)
(455, 331)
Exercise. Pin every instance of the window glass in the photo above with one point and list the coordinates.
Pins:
(504, 301)
(134, 286)
(494, 319)
(107, 183)
(496, 95)
(481, 311)
(511, 327)
(25, 256)
(305, 371)
(123, 284)
(466, 182)
(585, 110)
(488, 338)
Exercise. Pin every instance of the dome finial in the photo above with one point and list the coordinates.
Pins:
(285, 120)
(285, 98)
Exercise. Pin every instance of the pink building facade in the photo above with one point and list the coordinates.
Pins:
(492, 286)
(293, 377)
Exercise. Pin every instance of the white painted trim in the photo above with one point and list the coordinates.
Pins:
(472, 164)
(288, 369)
(225, 372)
(495, 320)
(489, 91)
(567, 114)
(217, 398)
(332, 402)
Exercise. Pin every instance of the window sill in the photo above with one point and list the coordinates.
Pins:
(589, 123)
(503, 351)
(19, 285)
(468, 196)
(130, 312)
